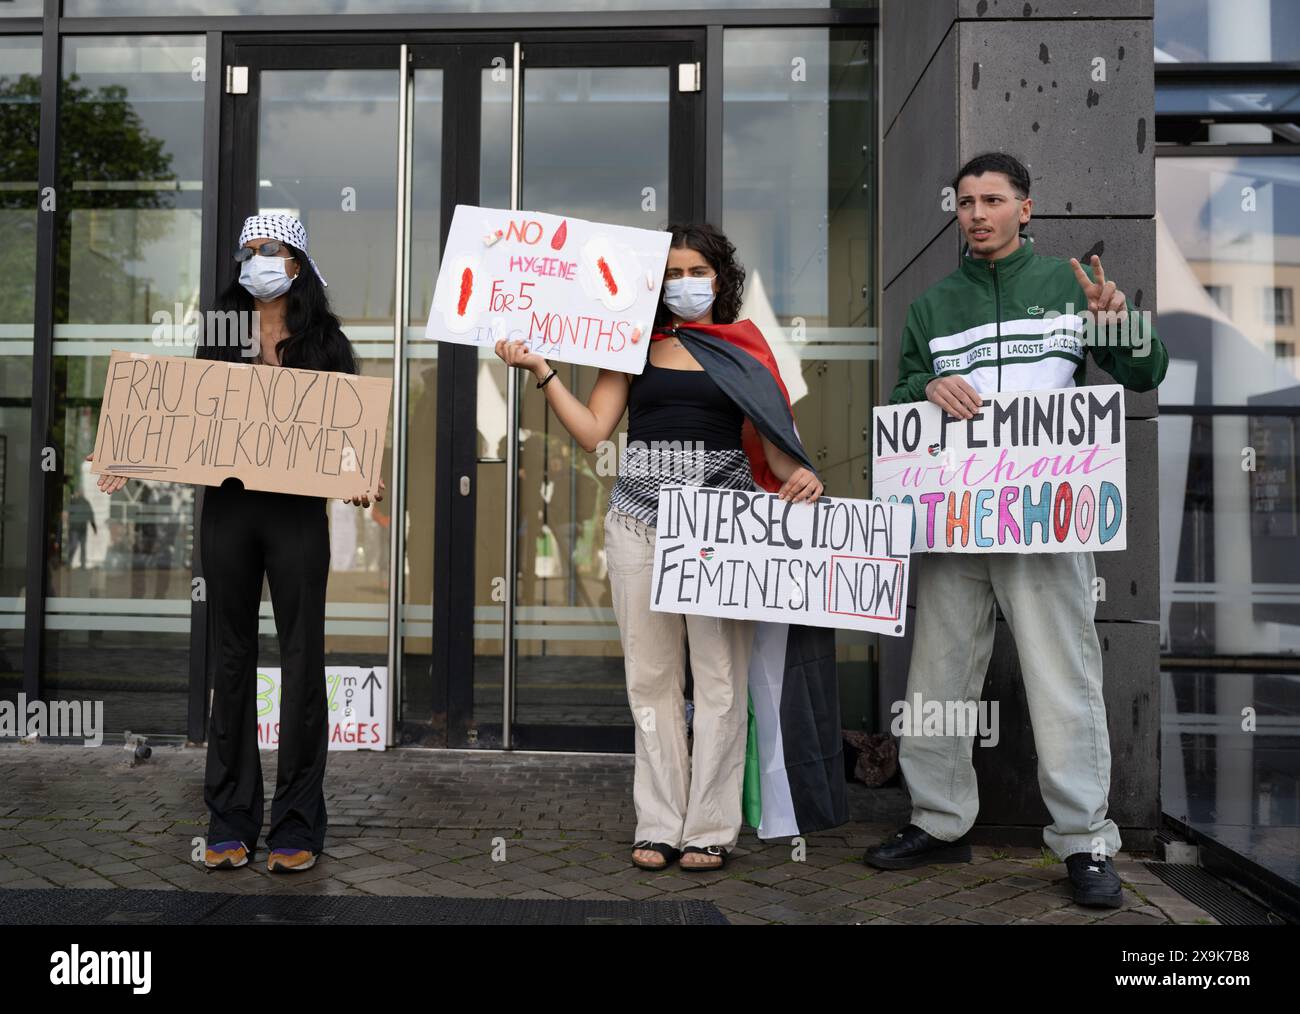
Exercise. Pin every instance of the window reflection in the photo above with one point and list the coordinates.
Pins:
(1228, 258)
(1229, 262)
(103, 8)
(1238, 31)
(20, 91)
(327, 154)
(118, 611)
(799, 176)
(1239, 786)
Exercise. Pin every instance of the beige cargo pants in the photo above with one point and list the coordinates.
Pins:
(681, 799)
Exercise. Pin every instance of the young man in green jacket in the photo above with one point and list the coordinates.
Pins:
(1009, 319)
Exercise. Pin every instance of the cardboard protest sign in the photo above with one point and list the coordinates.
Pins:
(1035, 472)
(357, 699)
(576, 291)
(751, 555)
(200, 421)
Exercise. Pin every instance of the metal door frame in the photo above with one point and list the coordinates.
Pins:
(462, 56)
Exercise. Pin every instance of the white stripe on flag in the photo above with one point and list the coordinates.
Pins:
(766, 679)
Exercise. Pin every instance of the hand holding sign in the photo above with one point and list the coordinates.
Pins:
(109, 484)
(802, 485)
(955, 396)
(517, 353)
(364, 499)
(1103, 296)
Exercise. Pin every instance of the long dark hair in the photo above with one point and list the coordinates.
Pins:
(720, 252)
(315, 341)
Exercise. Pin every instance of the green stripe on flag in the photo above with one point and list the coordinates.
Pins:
(752, 793)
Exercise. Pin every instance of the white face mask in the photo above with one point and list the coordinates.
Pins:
(264, 277)
(689, 298)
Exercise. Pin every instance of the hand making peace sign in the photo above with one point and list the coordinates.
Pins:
(1103, 296)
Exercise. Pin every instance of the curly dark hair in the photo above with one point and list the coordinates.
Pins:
(719, 251)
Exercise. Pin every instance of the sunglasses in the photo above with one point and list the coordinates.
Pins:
(268, 249)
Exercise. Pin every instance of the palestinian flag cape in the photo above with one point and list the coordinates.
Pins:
(794, 764)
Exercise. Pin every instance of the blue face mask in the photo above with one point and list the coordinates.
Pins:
(689, 298)
(264, 277)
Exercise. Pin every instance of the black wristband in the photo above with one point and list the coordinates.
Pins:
(547, 380)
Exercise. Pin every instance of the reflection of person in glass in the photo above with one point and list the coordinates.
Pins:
(690, 395)
(245, 534)
(80, 516)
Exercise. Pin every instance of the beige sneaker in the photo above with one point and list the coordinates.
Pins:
(225, 855)
(290, 860)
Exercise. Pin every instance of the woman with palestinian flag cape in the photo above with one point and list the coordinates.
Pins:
(766, 733)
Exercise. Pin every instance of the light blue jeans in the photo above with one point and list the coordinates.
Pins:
(1048, 601)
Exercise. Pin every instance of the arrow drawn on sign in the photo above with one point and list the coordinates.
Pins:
(372, 681)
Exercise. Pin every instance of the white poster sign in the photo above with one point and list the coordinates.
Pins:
(576, 291)
(1034, 472)
(751, 555)
(357, 698)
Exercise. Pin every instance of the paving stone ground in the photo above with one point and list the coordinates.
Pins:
(495, 825)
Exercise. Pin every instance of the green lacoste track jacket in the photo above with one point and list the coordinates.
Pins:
(1018, 324)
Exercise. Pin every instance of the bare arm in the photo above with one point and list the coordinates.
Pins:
(798, 482)
(590, 423)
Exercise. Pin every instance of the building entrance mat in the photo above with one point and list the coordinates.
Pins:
(82, 907)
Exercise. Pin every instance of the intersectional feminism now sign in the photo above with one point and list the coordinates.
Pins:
(576, 291)
(200, 421)
(1038, 472)
(754, 556)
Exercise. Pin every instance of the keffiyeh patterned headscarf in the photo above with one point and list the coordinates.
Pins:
(285, 228)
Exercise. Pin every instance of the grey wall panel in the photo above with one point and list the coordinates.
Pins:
(1089, 145)
(924, 26)
(992, 9)
(935, 261)
(919, 158)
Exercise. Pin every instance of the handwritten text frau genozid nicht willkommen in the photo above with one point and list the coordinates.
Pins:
(275, 428)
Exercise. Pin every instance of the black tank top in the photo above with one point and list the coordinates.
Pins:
(682, 405)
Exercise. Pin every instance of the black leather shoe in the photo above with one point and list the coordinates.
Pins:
(1094, 881)
(913, 847)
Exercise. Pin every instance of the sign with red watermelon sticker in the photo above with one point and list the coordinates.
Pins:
(577, 291)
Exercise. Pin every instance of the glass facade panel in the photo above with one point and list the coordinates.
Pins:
(20, 103)
(1229, 262)
(22, 8)
(1229, 31)
(129, 239)
(123, 8)
(496, 85)
(421, 436)
(327, 154)
(799, 108)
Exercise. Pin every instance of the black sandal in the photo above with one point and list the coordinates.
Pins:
(669, 853)
(708, 850)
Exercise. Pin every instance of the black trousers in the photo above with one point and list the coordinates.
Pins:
(243, 534)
